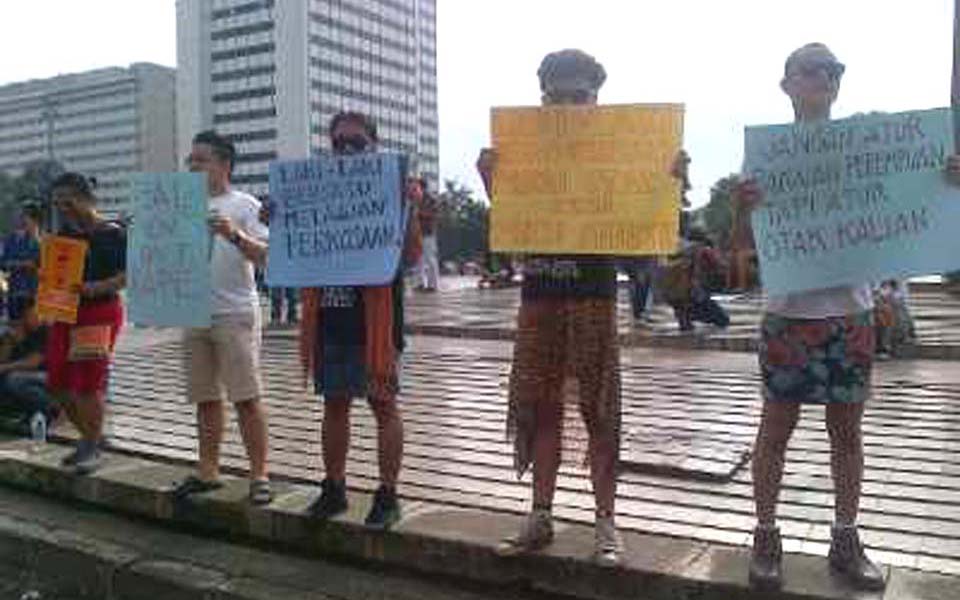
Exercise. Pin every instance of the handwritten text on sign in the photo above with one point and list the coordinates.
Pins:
(854, 200)
(169, 272)
(586, 179)
(61, 274)
(336, 220)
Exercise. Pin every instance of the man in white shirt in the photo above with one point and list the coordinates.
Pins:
(226, 355)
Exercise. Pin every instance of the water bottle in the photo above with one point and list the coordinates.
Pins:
(38, 430)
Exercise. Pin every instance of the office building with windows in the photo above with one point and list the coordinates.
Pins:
(272, 73)
(105, 123)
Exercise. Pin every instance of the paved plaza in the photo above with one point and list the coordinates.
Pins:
(463, 310)
(454, 404)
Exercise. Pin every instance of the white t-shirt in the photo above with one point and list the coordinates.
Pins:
(820, 304)
(234, 286)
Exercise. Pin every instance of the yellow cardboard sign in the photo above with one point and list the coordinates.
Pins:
(61, 273)
(586, 179)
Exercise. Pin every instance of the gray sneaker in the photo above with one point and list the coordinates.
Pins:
(608, 545)
(535, 533)
(849, 560)
(766, 558)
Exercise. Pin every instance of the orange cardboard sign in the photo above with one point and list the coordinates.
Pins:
(61, 273)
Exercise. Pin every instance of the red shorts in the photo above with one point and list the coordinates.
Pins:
(87, 375)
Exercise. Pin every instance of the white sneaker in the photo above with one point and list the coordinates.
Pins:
(608, 543)
(535, 533)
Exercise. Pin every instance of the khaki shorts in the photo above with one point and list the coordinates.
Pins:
(225, 355)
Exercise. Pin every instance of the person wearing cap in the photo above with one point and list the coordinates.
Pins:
(567, 329)
(817, 347)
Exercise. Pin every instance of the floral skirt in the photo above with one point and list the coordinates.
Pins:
(817, 361)
(566, 355)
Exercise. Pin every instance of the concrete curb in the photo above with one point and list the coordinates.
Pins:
(431, 539)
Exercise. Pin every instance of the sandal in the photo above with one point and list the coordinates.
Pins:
(260, 492)
(194, 485)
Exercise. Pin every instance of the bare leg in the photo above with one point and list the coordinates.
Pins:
(776, 427)
(546, 457)
(846, 458)
(89, 412)
(210, 434)
(253, 429)
(336, 436)
(603, 461)
(389, 439)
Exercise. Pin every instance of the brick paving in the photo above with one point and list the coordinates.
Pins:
(454, 408)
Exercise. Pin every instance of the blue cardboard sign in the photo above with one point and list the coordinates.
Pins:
(168, 266)
(336, 220)
(854, 200)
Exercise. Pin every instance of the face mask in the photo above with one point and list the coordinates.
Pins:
(350, 144)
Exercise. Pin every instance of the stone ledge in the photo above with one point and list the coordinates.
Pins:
(431, 539)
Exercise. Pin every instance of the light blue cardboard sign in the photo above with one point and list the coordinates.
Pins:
(168, 266)
(855, 200)
(336, 220)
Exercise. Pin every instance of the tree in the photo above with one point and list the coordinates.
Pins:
(461, 224)
(32, 186)
(717, 215)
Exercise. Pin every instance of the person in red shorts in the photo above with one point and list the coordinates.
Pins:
(79, 355)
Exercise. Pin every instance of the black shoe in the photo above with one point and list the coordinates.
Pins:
(766, 569)
(87, 458)
(848, 559)
(194, 485)
(332, 500)
(385, 510)
(70, 460)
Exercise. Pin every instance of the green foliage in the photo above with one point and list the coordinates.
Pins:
(717, 215)
(461, 224)
(30, 187)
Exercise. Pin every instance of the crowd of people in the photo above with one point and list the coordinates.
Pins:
(817, 347)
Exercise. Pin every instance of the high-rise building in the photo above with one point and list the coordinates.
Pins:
(105, 123)
(272, 73)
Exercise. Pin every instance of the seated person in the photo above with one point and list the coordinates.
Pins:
(22, 374)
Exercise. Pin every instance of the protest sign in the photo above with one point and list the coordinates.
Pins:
(586, 179)
(61, 274)
(854, 200)
(336, 220)
(168, 266)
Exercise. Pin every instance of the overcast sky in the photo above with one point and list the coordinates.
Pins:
(723, 59)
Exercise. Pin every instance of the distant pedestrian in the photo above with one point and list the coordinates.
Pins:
(21, 262)
(280, 297)
(429, 271)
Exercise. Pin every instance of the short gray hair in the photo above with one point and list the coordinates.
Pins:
(836, 67)
(568, 66)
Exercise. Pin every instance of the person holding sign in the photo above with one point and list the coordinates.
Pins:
(566, 329)
(226, 355)
(817, 347)
(79, 354)
(351, 339)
